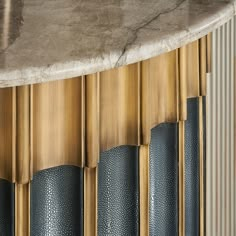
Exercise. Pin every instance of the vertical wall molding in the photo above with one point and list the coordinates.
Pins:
(220, 211)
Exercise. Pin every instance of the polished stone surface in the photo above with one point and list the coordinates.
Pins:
(44, 40)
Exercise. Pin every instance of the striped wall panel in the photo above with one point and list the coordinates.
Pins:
(220, 181)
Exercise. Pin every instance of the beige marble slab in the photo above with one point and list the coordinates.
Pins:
(45, 40)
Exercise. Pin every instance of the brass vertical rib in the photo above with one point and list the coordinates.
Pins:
(92, 120)
(23, 134)
(145, 103)
(203, 65)
(22, 161)
(14, 134)
(235, 138)
(7, 133)
(22, 209)
(190, 64)
(90, 201)
(144, 189)
(31, 132)
(209, 57)
(201, 161)
(183, 83)
(181, 179)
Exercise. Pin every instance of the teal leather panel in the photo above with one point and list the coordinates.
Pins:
(192, 169)
(118, 192)
(57, 202)
(7, 215)
(164, 181)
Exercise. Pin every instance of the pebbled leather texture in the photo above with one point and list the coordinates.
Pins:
(192, 169)
(57, 202)
(118, 192)
(164, 180)
(6, 208)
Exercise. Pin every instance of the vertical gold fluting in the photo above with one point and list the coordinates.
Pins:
(234, 158)
(144, 69)
(203, 65)
(144, 189)
(7, 133)
(183, 83)
(23, 134)
(90, 201)
(22, 209)
(191, 66)
(209, 53)
(201, 164)
(57, 117)
(92, 120)
(22, 161)
(159, 92)
(119, 107)
(181, 179)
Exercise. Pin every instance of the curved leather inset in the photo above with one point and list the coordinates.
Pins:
(118, 192)
(164, 180)
(57, 202)
(192, 169)
(6, 208)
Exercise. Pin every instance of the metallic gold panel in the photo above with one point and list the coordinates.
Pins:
(145, 103)
(90, 201)
(23, 134)
(203, 65)
(209, 53)
(57, 123)
(192, 66)
(22, 209)
(92, 148)
(183, 77)
(159, 92)
(144, 189)
(181, 179)
(7, 133)
(120, 107)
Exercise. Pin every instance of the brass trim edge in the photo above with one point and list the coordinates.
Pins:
(209, 53)
(144, 189)
(203, 65)
(90, 201)
(92, 120)
(22, 209)
(23, 134)
(183, 83)
(181, 179)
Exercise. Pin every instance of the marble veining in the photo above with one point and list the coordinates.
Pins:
(45, 40)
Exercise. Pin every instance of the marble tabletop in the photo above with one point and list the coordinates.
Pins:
(45, 40)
